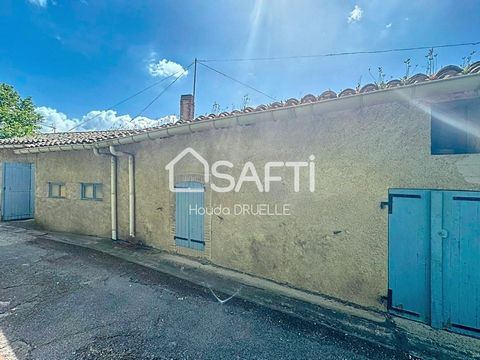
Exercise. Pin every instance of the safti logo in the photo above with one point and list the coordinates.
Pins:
(248, 174)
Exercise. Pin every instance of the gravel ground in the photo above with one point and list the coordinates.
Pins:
(62, 302)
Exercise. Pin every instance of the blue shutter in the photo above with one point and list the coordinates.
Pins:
(196, 220)
(189, 221)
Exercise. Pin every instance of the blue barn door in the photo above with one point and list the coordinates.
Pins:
(189, 215)
(409, 254)
(18, 191)
(461, 262)
(434, 258)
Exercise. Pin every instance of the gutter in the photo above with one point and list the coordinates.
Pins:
(131, 190)
(427, 90)
(113, 191)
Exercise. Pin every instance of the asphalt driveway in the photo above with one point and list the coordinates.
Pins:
(63, 302)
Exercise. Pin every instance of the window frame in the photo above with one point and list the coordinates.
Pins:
(464, 108)
(56, 183)
(94, 191)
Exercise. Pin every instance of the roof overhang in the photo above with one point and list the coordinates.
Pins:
(431, 91)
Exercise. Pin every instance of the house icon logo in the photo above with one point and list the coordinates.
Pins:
(248, 174)
(171, 173)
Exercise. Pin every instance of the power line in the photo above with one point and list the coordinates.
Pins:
(340, 53)
(279, 58)
(238, 81)
(194, 77)
(163, 91)
(126, 99)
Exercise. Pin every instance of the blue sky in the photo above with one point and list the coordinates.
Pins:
(76, 58)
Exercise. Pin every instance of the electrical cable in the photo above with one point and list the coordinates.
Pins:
(201, 61)
(161, 93)
(126, 99)
(238, 81)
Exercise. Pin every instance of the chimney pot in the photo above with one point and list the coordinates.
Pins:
(187, 107)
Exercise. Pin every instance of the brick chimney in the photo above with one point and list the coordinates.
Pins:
(187, 107)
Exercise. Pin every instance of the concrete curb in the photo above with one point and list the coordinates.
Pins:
(402, 335)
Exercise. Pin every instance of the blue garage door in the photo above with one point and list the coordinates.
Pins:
(434, 258)
(18, 191)
(461, 262)
(189, 215)
(409, 253)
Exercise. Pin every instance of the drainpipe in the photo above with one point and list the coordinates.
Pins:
(113, 191)
(131, 189)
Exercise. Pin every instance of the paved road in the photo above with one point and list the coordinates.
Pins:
(63, 302)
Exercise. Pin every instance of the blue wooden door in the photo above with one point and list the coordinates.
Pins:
(189, 215)
(461, 261)
(409, 253)
(18, 191)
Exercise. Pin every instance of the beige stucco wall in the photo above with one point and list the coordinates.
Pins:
(335, 240)
(71, 213)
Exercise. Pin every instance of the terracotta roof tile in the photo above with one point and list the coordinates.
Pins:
(368, 88)
(309, 98)
(347, 92)
(393, 83)
(329, 94)
(473, 68)
(443, 73)
(448, 71)
(85, 137)
(417, 78)
(292, 102)
(90, 137)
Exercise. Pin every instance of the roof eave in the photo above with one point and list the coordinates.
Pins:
(431, 90)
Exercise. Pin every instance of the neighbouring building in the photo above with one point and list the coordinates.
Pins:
(392, 218)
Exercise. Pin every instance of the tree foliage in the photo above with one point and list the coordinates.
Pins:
(17, 116)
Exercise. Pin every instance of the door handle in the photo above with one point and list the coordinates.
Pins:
(443, 233)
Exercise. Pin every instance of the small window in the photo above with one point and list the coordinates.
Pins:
(456, 127)
(91, 191)
(56, 190)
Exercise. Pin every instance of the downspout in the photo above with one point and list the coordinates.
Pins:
(131, 188)
(113, 191)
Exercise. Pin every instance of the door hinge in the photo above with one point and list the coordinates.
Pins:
(384, 204)
(389, 299)
(391, 196)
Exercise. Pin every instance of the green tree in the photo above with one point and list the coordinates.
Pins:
(17, 116)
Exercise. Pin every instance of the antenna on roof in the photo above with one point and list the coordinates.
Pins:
(53, 127)
(194, 84)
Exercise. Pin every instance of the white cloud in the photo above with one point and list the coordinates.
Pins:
(54, 120)
(40, 3)
(388, 26)
(165, 68)
(355, 14)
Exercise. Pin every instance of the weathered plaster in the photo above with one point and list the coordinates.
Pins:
(469, 167)
(335, 241)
